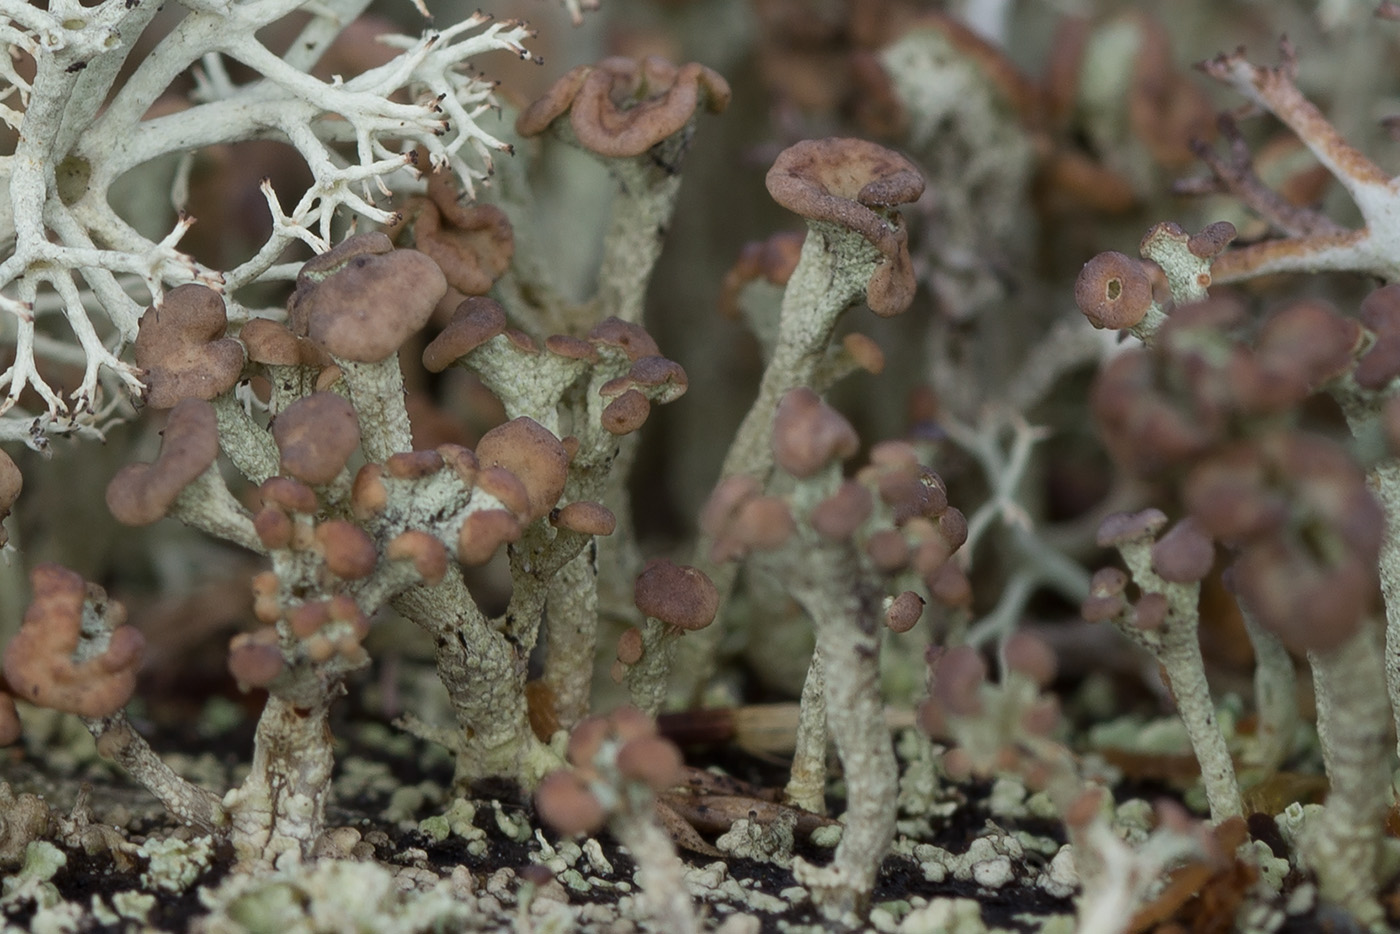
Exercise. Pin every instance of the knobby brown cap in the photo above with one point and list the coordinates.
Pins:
(678, 595)
(142, 493)
(39, 663)
(621, 107)
(180, 345)
(363, 302)
(842, 181)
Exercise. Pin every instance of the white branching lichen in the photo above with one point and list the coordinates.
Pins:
(67, 248)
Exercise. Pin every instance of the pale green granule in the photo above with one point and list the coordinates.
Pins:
(175, 864)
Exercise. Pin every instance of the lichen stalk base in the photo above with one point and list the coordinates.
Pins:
(485, 681)
(278, 814)
(806, 787)
(1354, 725)
(848, 637)
(660, 873)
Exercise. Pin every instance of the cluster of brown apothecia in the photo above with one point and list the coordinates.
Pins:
(357, 518)
(1209, 406)
(370, 505)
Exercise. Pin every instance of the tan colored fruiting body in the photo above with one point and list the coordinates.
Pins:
(54, 662)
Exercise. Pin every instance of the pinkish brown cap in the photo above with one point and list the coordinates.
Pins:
(1105, 600)
(1380, 310)
(888, 551)
(1312, 605)
(267, 601)
(140, 494)
(628, 723)
(536, 118)
(570, 348)
(677, 595)
(328, 378)
(273, 527)
(323, 265)
(865, 353)
(632, 339)
(586, 518)
(1150, 611)
(586, 740)
(898, 455)
(621, 108)
(483, 532)
(1113, 291)
(307, 619)
(719, 519)
(347, 548)
(475, 322)
(955, 681)
(1212, 240)
(428, 555)
(626, 413)
(182, 349)
(413, 465)
(652, 760)
(762, 523)
(949, 585)
(473, 244)
(904, 611)
(664, 380)
(39, 663)
(564, 803)
(521, 341)
(911, 492)
(254, 659)
(533, 454)
(724, 502)
(316, 436)
(1123, 528)
(368, 495)
(1185, 554)
(630, 646)
(506, 487)
(272, 343)
(1032, 656)
(952, 525)
(773, 260)
(842, 182)
(1309, 343)
(931, 548)
(808, 434)
(839, 515)
(462, 461)
(291, 496)
(368, 304)
(1085, 807)
(1380, 364)
(1229, 494)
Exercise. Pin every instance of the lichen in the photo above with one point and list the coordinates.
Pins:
(332, 897)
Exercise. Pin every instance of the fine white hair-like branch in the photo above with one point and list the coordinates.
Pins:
(66, 250)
